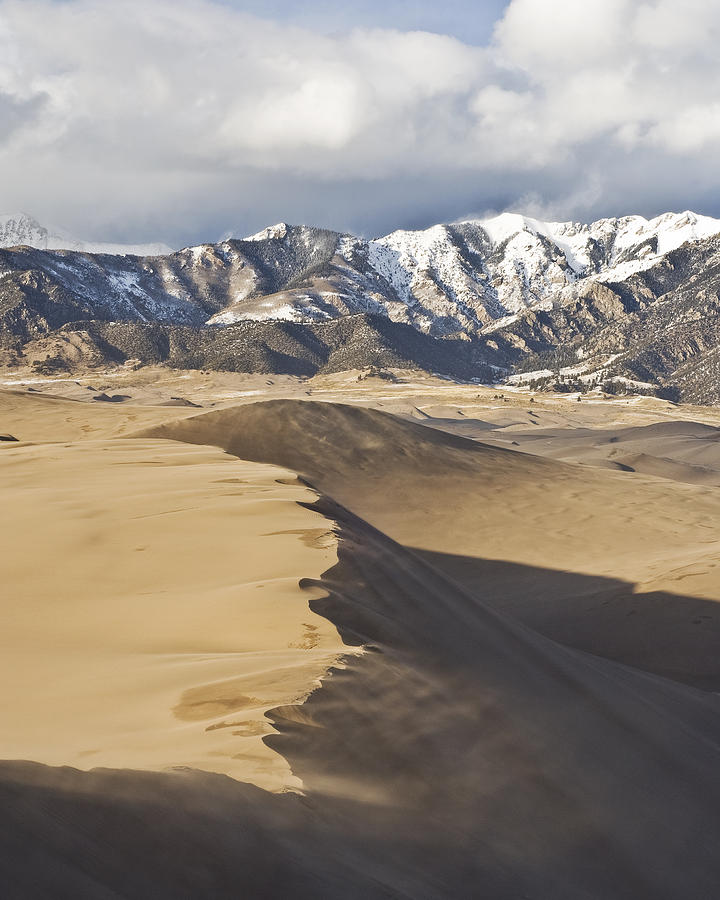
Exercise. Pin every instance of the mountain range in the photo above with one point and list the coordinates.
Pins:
(623, 303)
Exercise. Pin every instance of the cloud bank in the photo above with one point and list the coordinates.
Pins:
(183, 120)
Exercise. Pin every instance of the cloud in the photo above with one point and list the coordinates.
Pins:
(616, 69)
(182, 119)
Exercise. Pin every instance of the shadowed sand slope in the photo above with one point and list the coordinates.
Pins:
(460, 756)
(472, 508)
(524, 763)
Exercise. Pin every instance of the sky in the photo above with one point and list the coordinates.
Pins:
(189, 120)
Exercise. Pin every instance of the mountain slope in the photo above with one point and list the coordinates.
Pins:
(447, 279)
(627, 301)
(463, 277)
(352, 342)
(658, 328)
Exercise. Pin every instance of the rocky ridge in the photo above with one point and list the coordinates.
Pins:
(625, 302)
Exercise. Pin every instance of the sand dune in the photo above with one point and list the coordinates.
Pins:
(679, 451)
(152, 611)
(623, 566)
(461, 754)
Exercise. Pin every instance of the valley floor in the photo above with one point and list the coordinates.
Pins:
(356, 637)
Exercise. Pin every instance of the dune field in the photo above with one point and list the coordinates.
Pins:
(356, 637)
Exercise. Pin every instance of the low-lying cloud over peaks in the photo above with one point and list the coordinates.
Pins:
(181, 120)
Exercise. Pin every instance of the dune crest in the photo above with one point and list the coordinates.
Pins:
(167, 616)
(473, 748)
(615, 563)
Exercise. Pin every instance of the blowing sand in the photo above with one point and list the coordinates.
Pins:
(617, 563)
(535, 710)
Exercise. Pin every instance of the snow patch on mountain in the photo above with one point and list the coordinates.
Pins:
(19, 229)
(464, 278)
(272, 232)
(494, 268)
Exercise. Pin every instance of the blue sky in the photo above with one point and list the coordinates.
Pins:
(185, 120)
(471, 22)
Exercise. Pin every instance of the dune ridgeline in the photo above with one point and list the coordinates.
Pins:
(325, 650)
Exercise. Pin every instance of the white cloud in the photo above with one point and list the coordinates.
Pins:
(120, 114)
(547, 37)
(617, 70)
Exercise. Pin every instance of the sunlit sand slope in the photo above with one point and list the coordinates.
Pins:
(151, 606)
(462, 754)
(620, 564)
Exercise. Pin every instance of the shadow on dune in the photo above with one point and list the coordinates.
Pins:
(672, 635)
(463, 501)
(500, 763)
(462, 755)
(108, 834)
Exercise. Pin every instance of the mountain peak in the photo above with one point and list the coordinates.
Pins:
(22, 229)
(272, 232)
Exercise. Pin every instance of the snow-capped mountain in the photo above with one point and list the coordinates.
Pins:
(627, 296)
(19, 229)
(460, 278)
